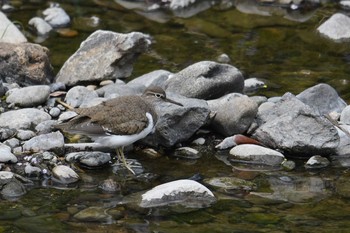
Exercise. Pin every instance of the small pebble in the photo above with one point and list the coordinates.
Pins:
(55, 112)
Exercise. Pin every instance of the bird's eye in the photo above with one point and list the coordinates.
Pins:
(158, 95)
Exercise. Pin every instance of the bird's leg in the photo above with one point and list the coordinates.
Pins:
(121, 157)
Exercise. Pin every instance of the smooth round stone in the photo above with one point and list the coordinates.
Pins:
(45, 142)
(66, 116)
(55, 112)
(29, 96)
(65, 174)
(317, 161)
(106, 82)
(78, 94)
(24, 118)
(40, 25)
(89, 158)
(57, 86)
(6, 155)
(223, 58)
(56, 16)
(199, 141)
(288, 165)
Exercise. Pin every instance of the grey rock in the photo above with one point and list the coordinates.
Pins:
(154, 78)
(89, 158)
(336, 27)
(186, 193)
(57, 86)
(45, 142)
(66, 116)
(12, 185)
(230, 183)
(117, 90)
(12, 142)
(6, 133)
(92, 102)
(9, 32)
(45, 126)
(30, 170)
(234, 114)
(206, 80)
(256, 154)
(187, 153)
(109, 185)
(323, 99)
(78, 94)
(176, 123)
(3, 89)
(25, 118)
(93, 214)
(295, 128)
(26, 64)
(252, 85)
(25, 134)
(5, 154)
(259, 99)
(64, 174)
(29, 96)
(345, 115)
(113, 53)
(317, 161)
(55, 112)
(223, 58)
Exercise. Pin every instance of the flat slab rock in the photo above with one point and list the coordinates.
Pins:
(187, 193)
(113, 53)
(256, 154)
(23, 118)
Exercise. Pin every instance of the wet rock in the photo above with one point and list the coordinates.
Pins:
(9, 32)
(294, 189)
(114, 54)
(177, 123)
(28, 96)
(45, 142)
(89, 158)
(64, 174)
(93, 214)
(56, 16)
(11, 185)
(154, 78)
(25, 134)
(87, 24)
(41, 26)
(256, 154)
(252, 85)
(5, 154)
(323, 99)
(293, 127)
(110, 186)
(317, 161)
(336, 27)
(234, 114)
(230, 183)
(78, 94)
(25, 64)
(288, 165)
(186, 193)
(206, 80)
(187, 153)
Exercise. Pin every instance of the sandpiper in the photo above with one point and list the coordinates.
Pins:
(118, 122)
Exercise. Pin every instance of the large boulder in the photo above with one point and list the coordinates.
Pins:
(293, 127)
(25, 64)
(103, 55)
(322, 98)
(206, 80)
(178, 123)
(234, 113)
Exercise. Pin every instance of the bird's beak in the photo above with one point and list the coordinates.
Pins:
(173, 102)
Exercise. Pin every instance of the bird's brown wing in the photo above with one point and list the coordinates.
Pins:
(121, 116)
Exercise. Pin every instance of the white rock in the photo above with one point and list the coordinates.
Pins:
(168, 193)
(257, 154)
(41, 26)
(337, 27)
(5, 176)
(9, 32)
(56, 16)
(23, 118)
(6, 155)
(45, 142)
(65, 174)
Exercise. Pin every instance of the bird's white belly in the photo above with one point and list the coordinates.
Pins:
(124, 140)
